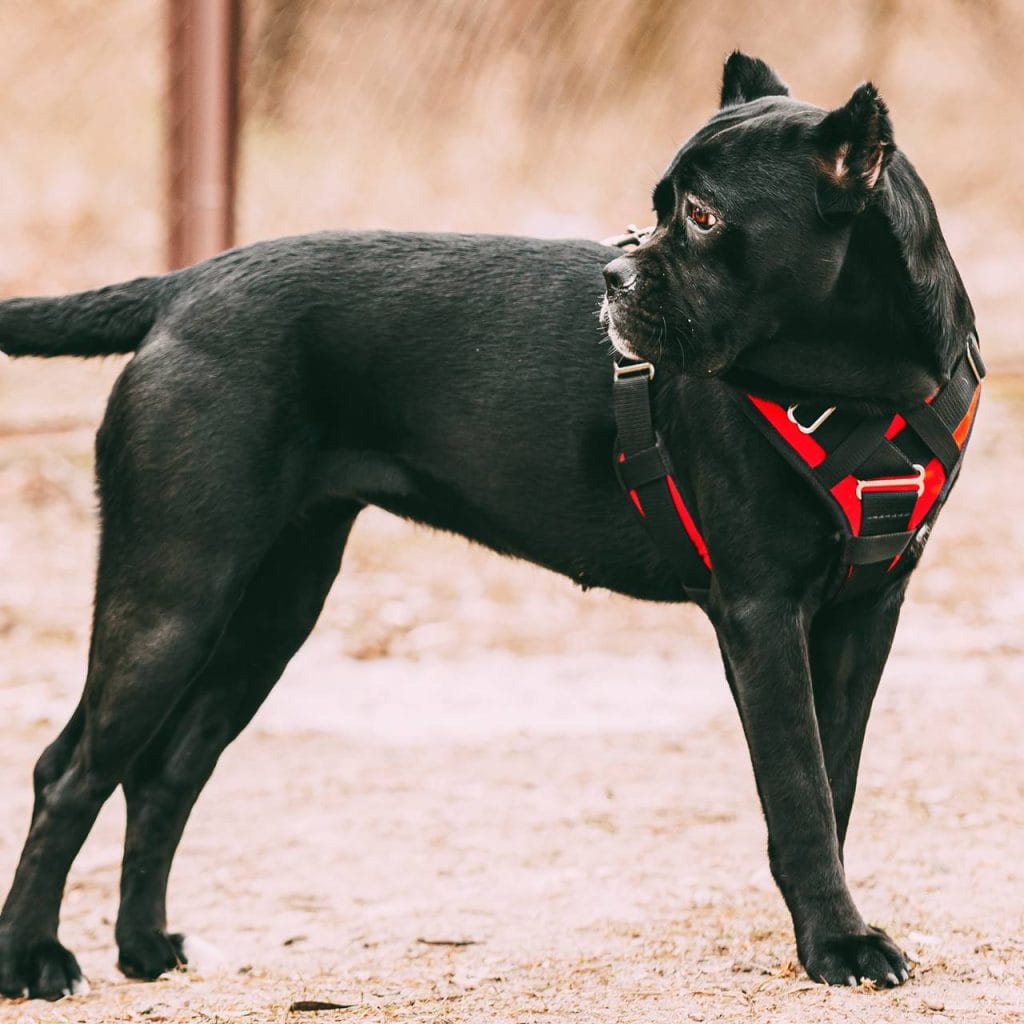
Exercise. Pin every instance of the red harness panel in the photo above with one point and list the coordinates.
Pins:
(845, 491)
(689, 523)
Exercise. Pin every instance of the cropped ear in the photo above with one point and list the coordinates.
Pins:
(854, 145)
(747, 78)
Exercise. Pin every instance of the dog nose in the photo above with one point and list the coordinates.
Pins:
(620, 274)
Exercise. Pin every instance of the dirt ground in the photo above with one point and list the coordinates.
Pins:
(479, 795)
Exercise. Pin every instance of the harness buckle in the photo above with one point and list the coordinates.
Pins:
(632, 239)
(633, 370)
(791, 416)
(972, 348)
(895, 483)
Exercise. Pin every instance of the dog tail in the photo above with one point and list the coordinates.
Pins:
(94, 323)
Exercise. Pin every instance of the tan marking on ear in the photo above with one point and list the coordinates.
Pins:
(841, 153)
(873, 174)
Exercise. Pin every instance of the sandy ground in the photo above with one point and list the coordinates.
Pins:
(469, 751)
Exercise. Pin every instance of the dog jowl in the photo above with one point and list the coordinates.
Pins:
(463, 381)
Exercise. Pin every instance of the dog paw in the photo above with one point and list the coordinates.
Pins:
(42, 969)
(145, 955)
(853, 959)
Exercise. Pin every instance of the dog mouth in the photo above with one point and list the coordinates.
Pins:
(637, 336)
(620, 342)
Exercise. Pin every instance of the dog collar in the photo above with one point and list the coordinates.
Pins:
(883, 478)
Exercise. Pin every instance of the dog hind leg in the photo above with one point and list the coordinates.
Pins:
(272, 621)
(141, 660)
(175, 559)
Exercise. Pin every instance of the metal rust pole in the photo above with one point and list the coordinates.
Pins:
(203, 122)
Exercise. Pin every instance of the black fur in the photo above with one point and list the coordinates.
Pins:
(855, 143)
(464, 382)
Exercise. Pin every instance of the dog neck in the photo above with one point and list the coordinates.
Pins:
(896, 320)
(863, 362)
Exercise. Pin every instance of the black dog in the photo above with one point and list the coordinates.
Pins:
(463, 382)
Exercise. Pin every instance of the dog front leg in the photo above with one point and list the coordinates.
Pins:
(764, 645)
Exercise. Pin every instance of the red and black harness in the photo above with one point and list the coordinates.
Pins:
(881, 477)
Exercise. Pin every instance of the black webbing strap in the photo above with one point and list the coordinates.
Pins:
(882, 547)
(885, 516)
(953, 401)
(928, 425)
(643, 466)
(851, 453)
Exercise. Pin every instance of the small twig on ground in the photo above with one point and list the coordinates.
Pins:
(316, 1005)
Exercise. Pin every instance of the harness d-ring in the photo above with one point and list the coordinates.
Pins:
(895, 483)
(791, 416)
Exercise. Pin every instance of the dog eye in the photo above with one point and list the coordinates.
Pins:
(700, 216)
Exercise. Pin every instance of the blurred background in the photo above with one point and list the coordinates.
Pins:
(590, 734)
(528, 116)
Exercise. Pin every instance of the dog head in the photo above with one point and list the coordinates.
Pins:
(793, 243)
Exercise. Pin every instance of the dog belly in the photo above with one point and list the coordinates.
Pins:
(582, 534)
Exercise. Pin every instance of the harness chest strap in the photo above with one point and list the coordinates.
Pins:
(881, 477)
(645, 470)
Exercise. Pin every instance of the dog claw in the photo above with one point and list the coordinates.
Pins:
(868, 958)
(41, 969)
